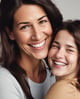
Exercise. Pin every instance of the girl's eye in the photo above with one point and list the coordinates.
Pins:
(70, 50)
(55, 46)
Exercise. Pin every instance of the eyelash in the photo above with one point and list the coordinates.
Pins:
(29, 26)
(43, 21)
(55, 46)
(26, 26)
(70, 50)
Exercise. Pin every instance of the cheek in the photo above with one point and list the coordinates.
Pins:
(52, 52)
(48, 30)
(50, 61)
(73, 60)
(49, 53)
(22, 37)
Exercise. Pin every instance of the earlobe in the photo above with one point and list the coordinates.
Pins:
(10, 34)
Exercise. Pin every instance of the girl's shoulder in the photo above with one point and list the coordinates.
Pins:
(63, 86)
(62, 89)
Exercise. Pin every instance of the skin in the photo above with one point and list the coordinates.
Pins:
(32, 31)
(63, 56)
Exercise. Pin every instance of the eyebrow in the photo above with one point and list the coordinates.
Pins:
(42, 17)
(70, 46)
(29, 22)
(55, 42)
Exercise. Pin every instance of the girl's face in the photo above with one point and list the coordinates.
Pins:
(63, 55)
(32, 31)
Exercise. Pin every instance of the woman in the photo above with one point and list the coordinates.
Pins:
(26, 31)
(64, 59)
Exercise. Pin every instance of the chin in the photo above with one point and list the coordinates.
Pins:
(41, 56)
(56, 73)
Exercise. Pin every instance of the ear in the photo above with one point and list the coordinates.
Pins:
(10, 34)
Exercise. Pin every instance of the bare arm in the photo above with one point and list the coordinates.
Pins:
(61, 90)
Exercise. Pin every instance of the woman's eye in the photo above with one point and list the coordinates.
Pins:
(43, 21)
(25, 27)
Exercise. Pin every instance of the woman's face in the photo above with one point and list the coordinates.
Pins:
(32, 31)
(63, 55)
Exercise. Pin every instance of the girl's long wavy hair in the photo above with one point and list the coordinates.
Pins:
(10, 49)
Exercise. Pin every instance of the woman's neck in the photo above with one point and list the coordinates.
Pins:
(34, 69)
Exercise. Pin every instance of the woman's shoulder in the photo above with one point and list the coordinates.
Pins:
(9, 86)
(61, 90)
(6, 77)
(4, 71)
(7, 80)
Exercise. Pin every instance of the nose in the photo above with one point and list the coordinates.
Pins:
(60, 53)
(37, 33)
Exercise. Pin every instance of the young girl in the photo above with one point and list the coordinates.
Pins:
(64, 59)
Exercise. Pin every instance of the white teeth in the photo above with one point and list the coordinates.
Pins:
(38, 45)
(58, 63)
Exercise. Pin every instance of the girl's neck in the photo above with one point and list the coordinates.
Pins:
(65, 78)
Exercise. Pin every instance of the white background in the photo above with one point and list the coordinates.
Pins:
(70, 9)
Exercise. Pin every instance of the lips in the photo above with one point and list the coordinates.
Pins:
(59, 63)
(38, 45)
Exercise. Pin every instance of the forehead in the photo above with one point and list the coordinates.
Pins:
(64, 34)
(29, 12)
(64, 37)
